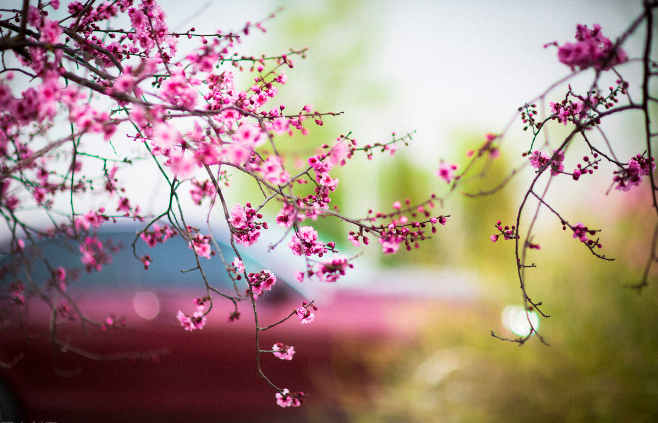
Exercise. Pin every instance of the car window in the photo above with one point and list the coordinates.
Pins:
(125, 271)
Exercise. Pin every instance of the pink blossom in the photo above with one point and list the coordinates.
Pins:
(239, 266)
(283, 398)
(591, 49)
(286, 216)
(273, 171)
(392, 148)
(94, 255)
(94, 219)
(446, 171)
(390, 245)
(124, 204)
(556, 164)
(326, 181)
(631, 176)
(260, 282)
(183, 166)
(280, 125)
(238, 217)
(177, 90)
(580, 231)
(124, 83)
(306, 242)
(284, 352)
(196, 321)
(304, 314)
(201, 245)
(201, 190)
(39, 194)
(158, 235)
(339, 153)
(237, 153)
(249, 136)
(331, 270)
(299, 276)
(538, 159)
(59, 278)
(165, 136)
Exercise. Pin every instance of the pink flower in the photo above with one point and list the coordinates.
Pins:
(94, 255)
(239, 266)
(326, 181)
(389, 246)
(280, 125)
(39, 194)
(201, 190)
(59, 278)
(196, 321)
(260, 282)
(631, 176)
(306, 242)
(538, 159)
(591, 49)
(249, 136)
(201, 245)
(124, 204)
(556, 165)
(273, 171)
(283, 398)
(330, 271)
(237, 153)
(580, 232)
(286, 216)
(299, 276)
(446, 171)
(284, 352)
(304, 314)
(183, 166)
(238, 217)
(494, 238)
(165, 136)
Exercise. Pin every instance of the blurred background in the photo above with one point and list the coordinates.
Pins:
(453, 72)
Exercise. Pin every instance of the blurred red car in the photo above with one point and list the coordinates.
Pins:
(178, 375)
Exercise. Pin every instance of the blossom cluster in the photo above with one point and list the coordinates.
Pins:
(245, 228)
(94, 255)
(539, 160)
(158, 235)
(286, 399)
(201, 190)
(506, 232)
(187, 117)
(259, 282)
(633, 174)
(591, 49)
(305, 242)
